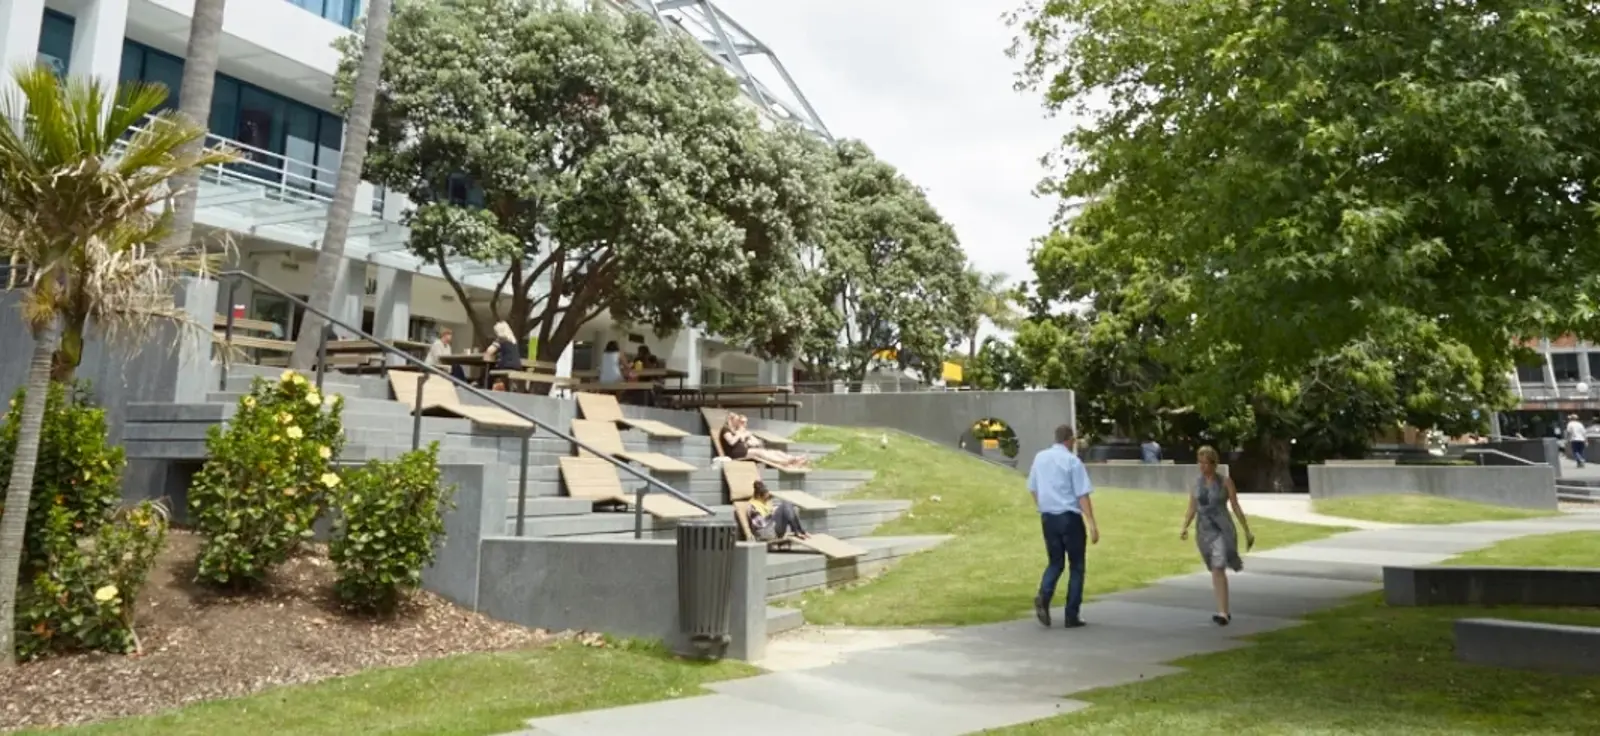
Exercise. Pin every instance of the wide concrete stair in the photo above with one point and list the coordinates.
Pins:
(379, 427)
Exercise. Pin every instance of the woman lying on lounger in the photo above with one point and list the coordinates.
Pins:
(771, 518)
(739, 444)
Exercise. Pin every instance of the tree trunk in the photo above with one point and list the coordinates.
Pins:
(1263, 466)
(69, 354)
(14, 522)
(358, 127)
(199, 78)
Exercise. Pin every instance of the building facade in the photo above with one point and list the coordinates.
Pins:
(274, 102)
(1559, 381)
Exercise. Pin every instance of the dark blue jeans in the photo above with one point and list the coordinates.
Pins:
(1577, 448)
(1065, 539)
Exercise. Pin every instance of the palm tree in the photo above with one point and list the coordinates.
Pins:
(199, 77)
(994, 304)
(358, 127)
(86, 212)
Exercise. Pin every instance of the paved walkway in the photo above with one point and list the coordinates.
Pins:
(944, 682)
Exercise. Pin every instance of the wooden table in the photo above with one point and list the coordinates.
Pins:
(766, 399)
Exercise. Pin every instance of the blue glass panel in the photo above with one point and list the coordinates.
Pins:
(163, 69)
(55, 40)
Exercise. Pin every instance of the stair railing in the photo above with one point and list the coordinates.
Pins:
(428, 373)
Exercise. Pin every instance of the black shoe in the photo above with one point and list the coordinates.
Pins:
(1073, 623)
(1221, 620)
(1041, 611)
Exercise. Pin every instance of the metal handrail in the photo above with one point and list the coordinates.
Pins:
(1499, 453)
(429, 372)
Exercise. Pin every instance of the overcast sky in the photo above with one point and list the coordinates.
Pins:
(927, 84)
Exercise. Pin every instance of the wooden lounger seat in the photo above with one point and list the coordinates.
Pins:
(245, 342)
(603, 436)
(828, 546)
(604, 408)
(594, 479)
(220, 321)
(439, 397)
(741, 477)
(717, 418)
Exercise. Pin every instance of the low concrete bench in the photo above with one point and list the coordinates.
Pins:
(1526, 645)
(1491, 586)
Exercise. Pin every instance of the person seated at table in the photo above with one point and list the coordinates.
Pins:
(503, 354)
(613, 365)
(441, 348)
(739, 444)
(645, 360)
(770, 518)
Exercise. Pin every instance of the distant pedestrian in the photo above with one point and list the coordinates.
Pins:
(1214, 533)
(1577, 438)
(1060, 486)
(1150, 451)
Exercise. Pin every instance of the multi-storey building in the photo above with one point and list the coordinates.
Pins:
(274, 102)
(1561, 380)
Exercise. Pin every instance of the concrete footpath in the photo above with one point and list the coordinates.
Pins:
(938, 682)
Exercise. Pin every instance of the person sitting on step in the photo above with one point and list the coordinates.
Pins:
(770, 518)
(739, 444)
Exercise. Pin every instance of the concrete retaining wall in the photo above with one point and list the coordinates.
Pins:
(946, 416)
(1527, 487)
(1429, 585)
(1164, 478)
(627, 588)
(1545, 450)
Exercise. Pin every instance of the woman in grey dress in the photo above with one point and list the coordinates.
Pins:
(1209, 502)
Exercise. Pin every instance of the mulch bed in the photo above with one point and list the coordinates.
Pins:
(201, 645)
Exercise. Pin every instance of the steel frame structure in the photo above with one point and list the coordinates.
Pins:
(729, 45)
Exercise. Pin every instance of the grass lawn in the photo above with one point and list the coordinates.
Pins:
(1415, 509)
(1361, 669)
(990, 571)
(472, 695)
(1567, 549)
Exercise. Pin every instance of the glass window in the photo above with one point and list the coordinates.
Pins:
(55, 41)
(330, 141)
(165, 70)
(300, 146)
(132, 63)
(260, 129)
(1594, 365)
(224, 106)
(1566, 367)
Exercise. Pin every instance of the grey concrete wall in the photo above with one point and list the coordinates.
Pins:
(1527, 487)
(946, 416)
(1164, 478)
(480, 511)
(622, 587)
(1546, 450)
(1439, 585)
(1528, 645)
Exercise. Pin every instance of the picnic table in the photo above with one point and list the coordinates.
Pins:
(768, 400)
(483, 372)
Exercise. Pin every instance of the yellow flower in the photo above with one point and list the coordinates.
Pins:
(106, 593)
(330, 480)
(284, 417)
(294, 432)
(277, 438)
(289, 376)
(314, 399)
(324, 453)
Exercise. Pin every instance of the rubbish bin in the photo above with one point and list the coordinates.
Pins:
(705, 582)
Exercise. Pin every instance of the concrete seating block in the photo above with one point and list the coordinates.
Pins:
(1490, 586)
(1527, 645)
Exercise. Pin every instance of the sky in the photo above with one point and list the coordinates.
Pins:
(926, 84)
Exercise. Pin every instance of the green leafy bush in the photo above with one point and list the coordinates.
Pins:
(389, 520)
(84, 592)
(78, 473)
(265, 479)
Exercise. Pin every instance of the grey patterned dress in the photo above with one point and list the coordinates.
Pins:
(1214, 532)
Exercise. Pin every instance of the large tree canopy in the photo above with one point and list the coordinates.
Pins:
(890, 275)
(1142, 374)
(604, 160)
(1314, 170)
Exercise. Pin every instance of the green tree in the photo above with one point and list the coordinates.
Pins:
(603, 161)
(891, 274)
(1319, 169)
(357, 130)
(998, 367)
(84, 204)
(995, 305)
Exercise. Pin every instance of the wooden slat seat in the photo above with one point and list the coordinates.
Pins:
(741, 476)
(596, 480)
(716, 447)
(220, 321)
(717, 418)
(826, 545)
(604, 408)
(255, 343)
(439, 397)
(604, 437)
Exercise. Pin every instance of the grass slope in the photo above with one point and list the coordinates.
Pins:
(1567, 549)
(460, 696)
(1414, 509)
(990, 571)
(1361, 669)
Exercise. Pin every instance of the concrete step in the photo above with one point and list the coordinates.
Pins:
(352, 406)
(330, 385)
(792, 573)
(780, 619)
(851, 519)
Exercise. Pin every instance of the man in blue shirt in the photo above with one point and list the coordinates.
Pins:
(1060, 486)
